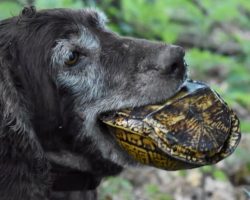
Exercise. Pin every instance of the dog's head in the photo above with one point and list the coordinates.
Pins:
(69, 68)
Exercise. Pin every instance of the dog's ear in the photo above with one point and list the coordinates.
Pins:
(23, 164)
(10, 105)
(25, 54)
(34, 89)
(40, 95)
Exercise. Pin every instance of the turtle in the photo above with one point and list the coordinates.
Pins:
(193, 128)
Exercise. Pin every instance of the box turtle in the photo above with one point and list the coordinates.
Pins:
(193, 128)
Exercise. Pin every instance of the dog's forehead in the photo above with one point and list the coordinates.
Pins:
(87, 20)
(64, 22)
(83, 37)
(88, 17)
(94, 17)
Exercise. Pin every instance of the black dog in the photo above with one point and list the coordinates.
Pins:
(59, 70)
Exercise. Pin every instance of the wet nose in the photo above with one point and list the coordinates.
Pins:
(171, 60)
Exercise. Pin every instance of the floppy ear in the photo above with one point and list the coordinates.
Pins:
(22, 48)
(23, 166)
(13, 113)
(36, 91)
(41, 98)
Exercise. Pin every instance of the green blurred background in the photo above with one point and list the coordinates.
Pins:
(216, 36)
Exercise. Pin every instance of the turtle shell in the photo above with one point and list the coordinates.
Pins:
(193, 128)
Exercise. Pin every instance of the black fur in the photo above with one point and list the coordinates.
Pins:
(49, 128)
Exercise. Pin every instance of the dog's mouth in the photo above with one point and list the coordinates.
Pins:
(165, 135)
(139, 111)
(145, 107)
(183, 80)
(113, 151)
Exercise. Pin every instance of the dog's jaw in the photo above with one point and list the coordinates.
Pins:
(104, 141)
(102, 138)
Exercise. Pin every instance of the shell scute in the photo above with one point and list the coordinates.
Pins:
(191, 129)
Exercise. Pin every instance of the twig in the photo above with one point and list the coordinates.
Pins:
(247, 192)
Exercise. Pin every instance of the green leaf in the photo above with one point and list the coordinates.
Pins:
(153, 192)
(43, 4)
(151, 188)
(220, 175)
(245, 126)
(9, 9)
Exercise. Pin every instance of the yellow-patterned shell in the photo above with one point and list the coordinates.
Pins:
(191, 129)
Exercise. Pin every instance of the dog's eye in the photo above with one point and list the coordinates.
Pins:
(73, 58)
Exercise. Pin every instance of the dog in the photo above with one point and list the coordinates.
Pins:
(60, 69)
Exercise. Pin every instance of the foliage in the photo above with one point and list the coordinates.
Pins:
(216, 35)
(8, 9)
(120, 188)
(216, 173)
(153, 192)
(116, 186)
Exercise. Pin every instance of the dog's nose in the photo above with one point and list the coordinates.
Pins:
(171, 60)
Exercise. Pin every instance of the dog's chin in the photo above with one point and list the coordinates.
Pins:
(107, 144)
